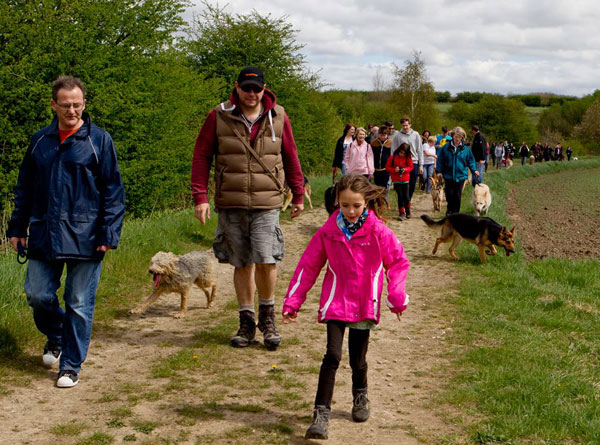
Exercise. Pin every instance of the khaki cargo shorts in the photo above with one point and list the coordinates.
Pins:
(246, 237)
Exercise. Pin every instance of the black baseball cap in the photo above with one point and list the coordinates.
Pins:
(251, 75)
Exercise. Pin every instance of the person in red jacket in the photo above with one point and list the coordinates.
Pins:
(399, 166)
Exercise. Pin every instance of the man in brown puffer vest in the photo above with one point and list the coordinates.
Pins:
(250, 137)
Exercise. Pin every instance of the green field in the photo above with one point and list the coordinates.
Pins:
(533, 113)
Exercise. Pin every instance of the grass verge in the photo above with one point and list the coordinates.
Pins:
(527, 339)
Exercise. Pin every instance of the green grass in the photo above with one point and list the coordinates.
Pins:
(527, 339)
(71, 428)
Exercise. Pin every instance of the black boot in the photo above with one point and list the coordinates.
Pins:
(318, 429)
(360, 405)
(245, 334)
(266, 324)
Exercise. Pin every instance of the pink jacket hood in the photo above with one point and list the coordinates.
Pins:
(353, 283)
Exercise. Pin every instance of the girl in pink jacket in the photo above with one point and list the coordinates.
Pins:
(358, 157)
(359, 250)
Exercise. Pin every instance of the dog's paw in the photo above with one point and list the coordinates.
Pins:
(135, 311)
(179, 315)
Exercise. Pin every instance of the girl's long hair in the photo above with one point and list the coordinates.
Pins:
(406, 149)
(375, 196)
(347, 128)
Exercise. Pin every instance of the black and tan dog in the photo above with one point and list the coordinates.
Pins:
(330, 199)
(483, 232)
(289, 196)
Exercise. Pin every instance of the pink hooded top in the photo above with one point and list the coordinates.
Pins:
(359, 159)
(353, 283)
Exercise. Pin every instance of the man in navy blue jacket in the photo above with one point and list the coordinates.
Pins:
(69, 208)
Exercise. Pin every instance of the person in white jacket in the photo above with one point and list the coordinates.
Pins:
(358, 157)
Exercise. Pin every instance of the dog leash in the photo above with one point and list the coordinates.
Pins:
(21, 253)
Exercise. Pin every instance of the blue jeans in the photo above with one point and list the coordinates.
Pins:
(480, 169)
(71, 328)
(427, 172)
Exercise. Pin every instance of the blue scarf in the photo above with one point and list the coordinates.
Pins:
(349, 228)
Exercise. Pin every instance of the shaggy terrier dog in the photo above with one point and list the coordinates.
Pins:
(172, 273)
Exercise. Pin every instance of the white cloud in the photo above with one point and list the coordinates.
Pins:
(468, 45)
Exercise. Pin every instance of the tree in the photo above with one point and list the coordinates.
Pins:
(379, 92)
(139, 88)
(501, 119)
(414, 93)
(588, 131)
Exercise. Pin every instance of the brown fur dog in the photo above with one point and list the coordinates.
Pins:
(483, 232)
(531, 160)
(172, 273)
(289, 196)
(437, 193)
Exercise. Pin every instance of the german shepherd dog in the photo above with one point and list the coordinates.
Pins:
(289, 196)
(481, 231)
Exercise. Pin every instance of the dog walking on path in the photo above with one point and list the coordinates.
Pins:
(481, 231)
(481, 199)
(172, 273)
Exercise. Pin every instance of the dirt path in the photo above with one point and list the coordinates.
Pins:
(238, 396)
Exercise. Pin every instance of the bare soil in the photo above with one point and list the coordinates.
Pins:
(118, 394)
(558, 215)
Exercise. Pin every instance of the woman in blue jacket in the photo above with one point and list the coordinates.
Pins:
(453, 164)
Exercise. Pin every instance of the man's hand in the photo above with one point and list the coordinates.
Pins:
(103, 248)
(297, 209)
(482, 162)
(202, 212)
(476, 173)
(14, 241)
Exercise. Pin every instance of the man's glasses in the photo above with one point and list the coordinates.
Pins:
(255, 88)
(76, 106)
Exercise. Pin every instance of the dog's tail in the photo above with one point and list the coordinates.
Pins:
(431, 223)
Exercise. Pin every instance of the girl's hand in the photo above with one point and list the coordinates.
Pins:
(287, 317)
(399, 316)
(397, 169)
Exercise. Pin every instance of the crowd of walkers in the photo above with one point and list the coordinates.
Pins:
(395, 159)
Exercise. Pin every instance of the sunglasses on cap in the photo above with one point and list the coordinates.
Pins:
(252, 87)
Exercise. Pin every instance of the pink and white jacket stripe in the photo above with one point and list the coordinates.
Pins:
(353, 282)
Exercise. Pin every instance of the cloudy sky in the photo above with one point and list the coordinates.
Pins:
(508, 46)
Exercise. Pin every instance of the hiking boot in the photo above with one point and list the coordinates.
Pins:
(360, 405)
(408, 212)
(67, 379)
(401, 214)
(266, 324)
(318, 429)
(51, 354)
(245, 334)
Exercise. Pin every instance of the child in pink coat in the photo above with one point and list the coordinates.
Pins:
(359, 250)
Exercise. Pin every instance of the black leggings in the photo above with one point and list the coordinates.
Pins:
(402, 192)
(453, 191)
(358, 343)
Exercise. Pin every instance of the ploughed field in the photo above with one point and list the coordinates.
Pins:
(558, 215)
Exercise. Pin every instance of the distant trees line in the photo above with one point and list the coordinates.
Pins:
(152, 78)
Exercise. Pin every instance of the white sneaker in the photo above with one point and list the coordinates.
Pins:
(67, 379)
(51, 355)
